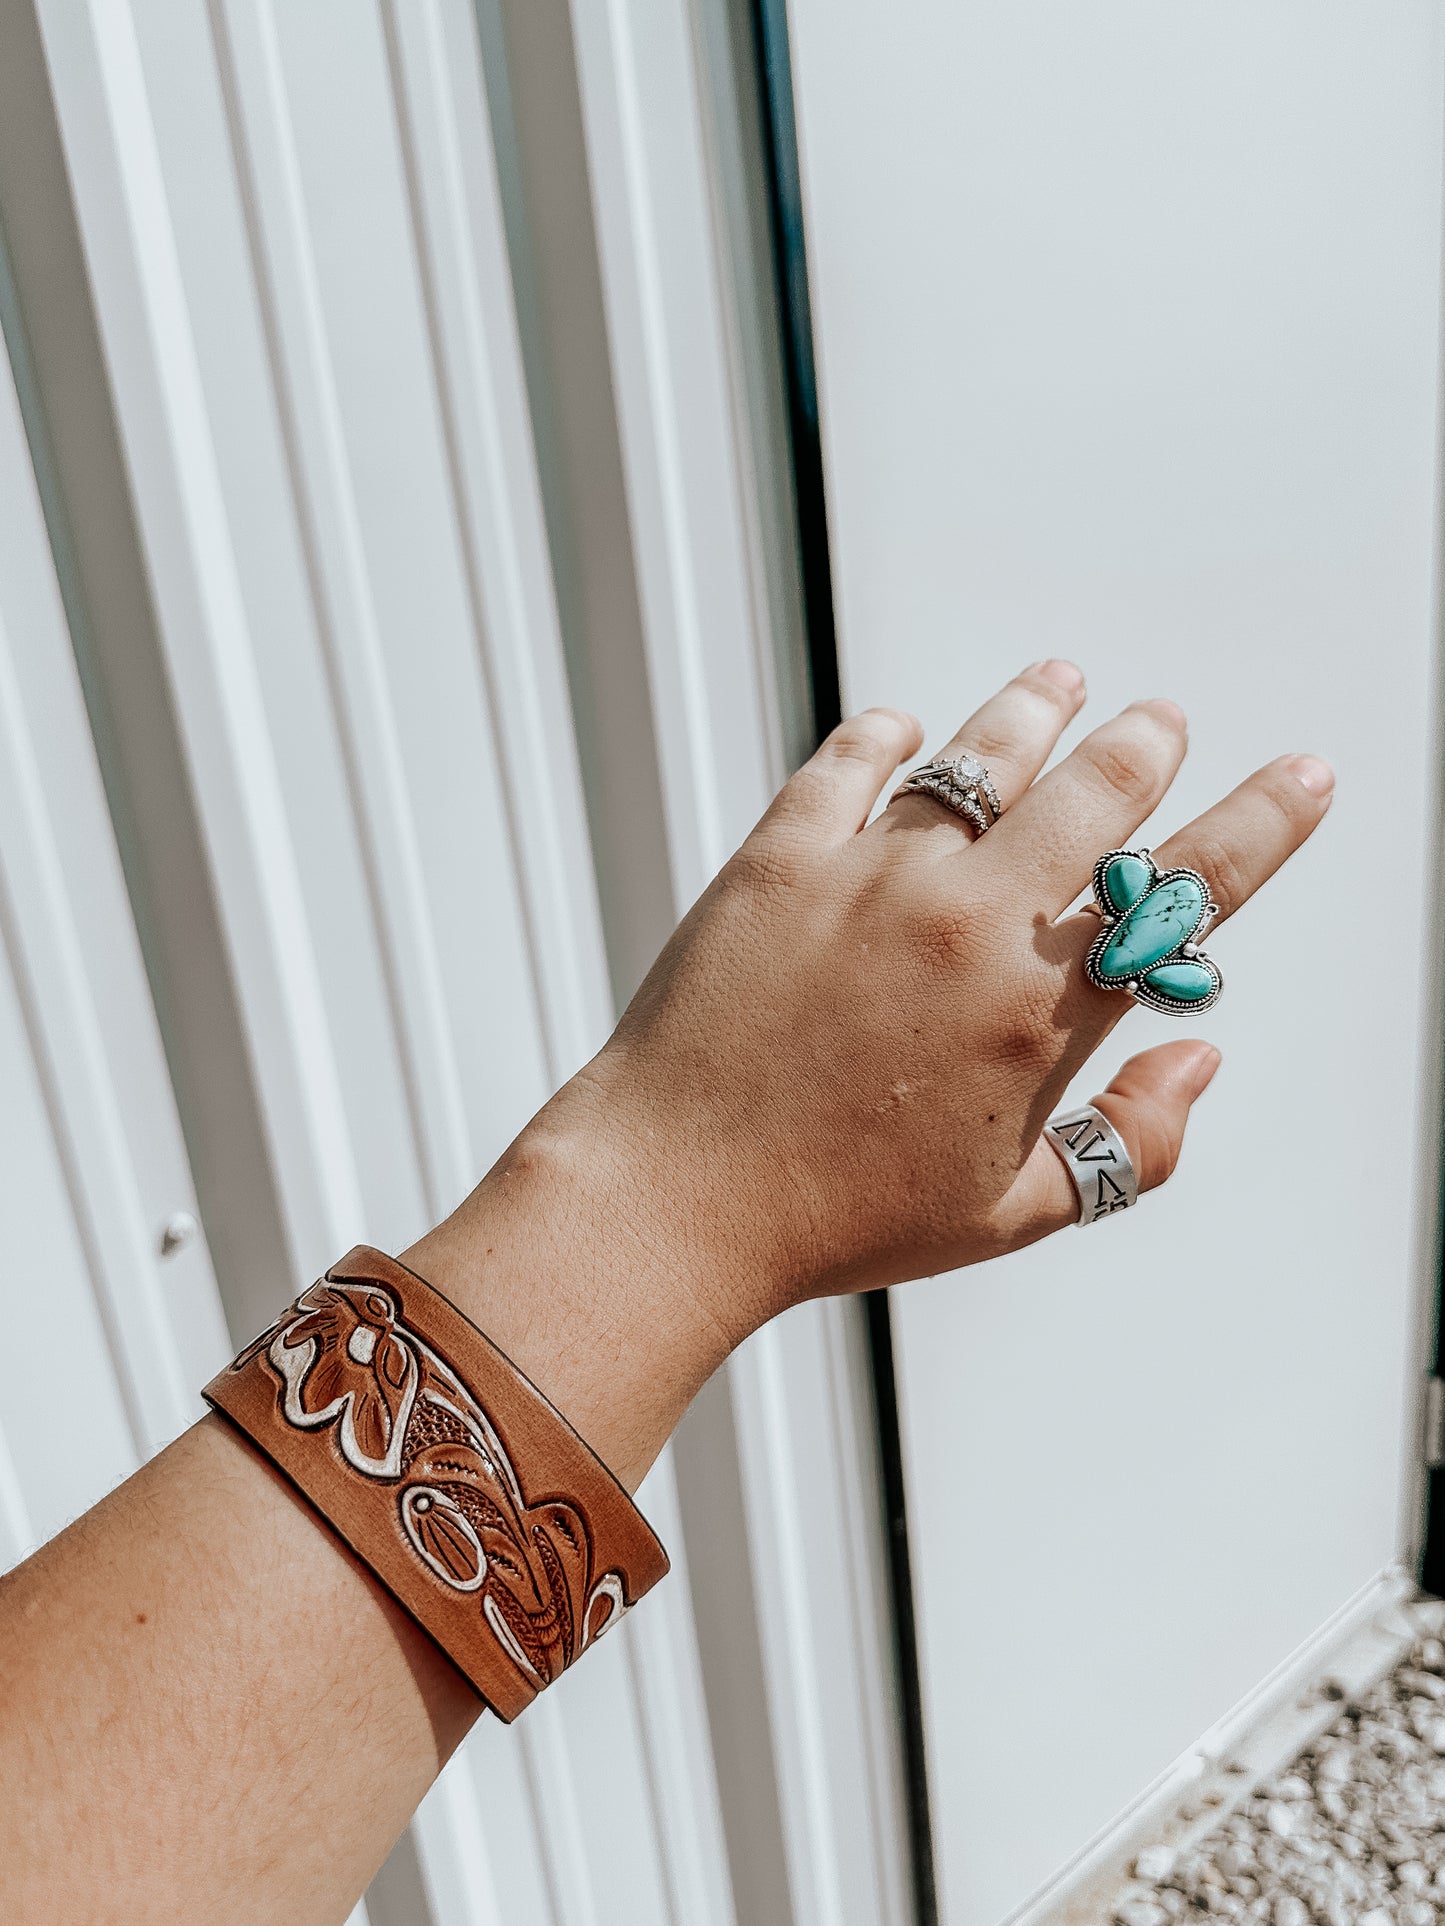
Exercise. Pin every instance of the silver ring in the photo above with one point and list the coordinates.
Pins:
(961, 783)
(1150, 923)
(1096, 1160)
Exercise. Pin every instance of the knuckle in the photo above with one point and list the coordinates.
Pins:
(768, 864)
(1224, 868)
(1161, 1144)
(866, 738)
(988, 744)
(1034, 703)
(1021, 1046)
(1026, 1038)
(951, 935)
(1055, 697)
(855, 746)
(946, 938)
(1287, 800)
(1126, 765)
(996, 746)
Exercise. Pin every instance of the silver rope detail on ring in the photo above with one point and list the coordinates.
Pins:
(961, 783)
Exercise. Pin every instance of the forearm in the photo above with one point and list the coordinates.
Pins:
(193, 1676)
(575, 1258)
(198, 1681)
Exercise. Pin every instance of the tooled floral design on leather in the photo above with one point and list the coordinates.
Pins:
(345, 1358)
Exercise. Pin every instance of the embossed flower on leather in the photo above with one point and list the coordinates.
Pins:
(344, 1358)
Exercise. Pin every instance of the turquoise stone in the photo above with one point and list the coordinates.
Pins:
(1167, 917)
(1125, 880)
(1183, 982)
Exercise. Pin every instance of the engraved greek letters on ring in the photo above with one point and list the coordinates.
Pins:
(1108, 1195)
(1088, 1145)
(345, 1358)
(1097, 1161)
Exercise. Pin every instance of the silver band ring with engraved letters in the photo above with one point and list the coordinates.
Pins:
(961, 783)
(1094, 1155)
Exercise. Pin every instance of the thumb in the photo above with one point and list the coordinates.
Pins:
(1148, 1104)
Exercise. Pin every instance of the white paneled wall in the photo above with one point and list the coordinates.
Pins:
(92, 1168)
(321, 401)
(293, 239)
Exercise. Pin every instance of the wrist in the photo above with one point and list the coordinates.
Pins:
(563, 1257)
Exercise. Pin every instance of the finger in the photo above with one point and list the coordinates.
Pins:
(1095, 799)
(1148, 1104)
(1013, 735)
(830, 797)
(1242, 841)
(1235, 846)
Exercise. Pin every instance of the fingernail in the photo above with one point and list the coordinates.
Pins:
(1064, 675)
(1205, 1065)
(1311, 773)
(1166, 710)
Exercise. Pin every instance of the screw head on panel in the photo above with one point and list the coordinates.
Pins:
(179, 1229)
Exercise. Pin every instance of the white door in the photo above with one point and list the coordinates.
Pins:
(1127, 325)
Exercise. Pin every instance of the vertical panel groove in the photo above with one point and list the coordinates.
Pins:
(105, 124)
(342, 603)
(88, 1132)
(516, 626)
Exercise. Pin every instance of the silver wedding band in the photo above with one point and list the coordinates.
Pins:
(1094, 1155)
(961, 783)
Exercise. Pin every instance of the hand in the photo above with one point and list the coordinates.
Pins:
(837, 1072)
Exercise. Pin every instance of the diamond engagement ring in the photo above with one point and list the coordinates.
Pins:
(961, 783)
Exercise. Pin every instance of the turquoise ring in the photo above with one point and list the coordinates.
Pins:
(1146, 942)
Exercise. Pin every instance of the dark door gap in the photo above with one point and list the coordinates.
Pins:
(790, 269)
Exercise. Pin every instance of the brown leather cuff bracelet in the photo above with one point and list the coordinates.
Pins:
(449, 1474)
